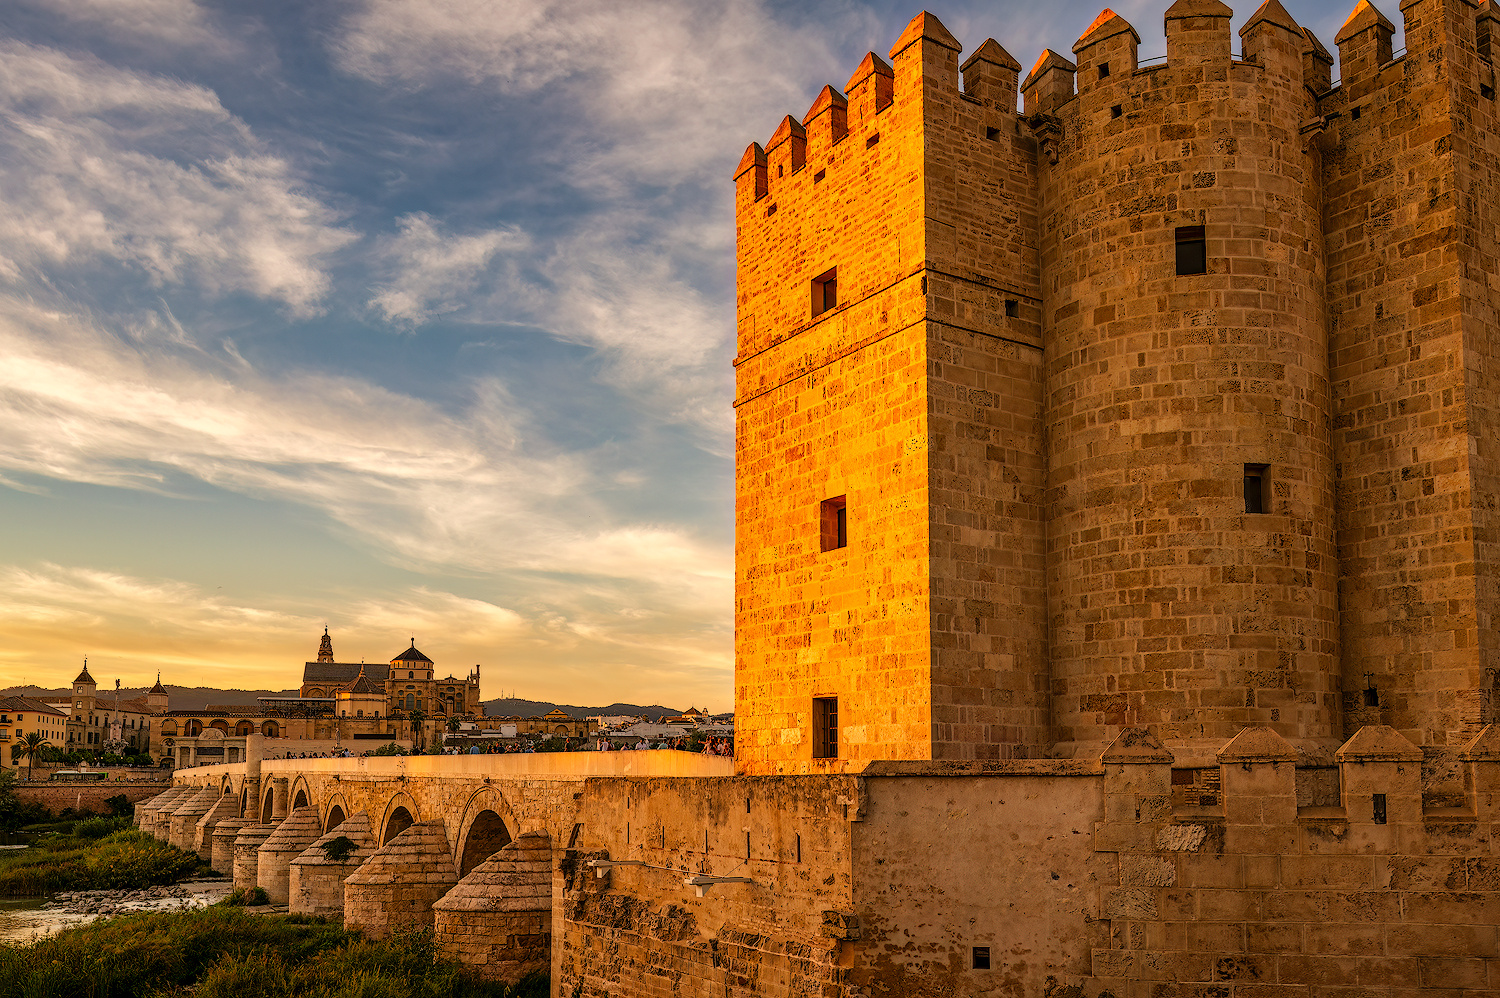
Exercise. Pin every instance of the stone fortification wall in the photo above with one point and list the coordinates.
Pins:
(914, 401)
(87, 797)
(1411, 234)
(641, 930)
(1172, 606)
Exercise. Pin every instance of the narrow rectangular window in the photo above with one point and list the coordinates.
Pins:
(1256, 482)
(1103, 70)
(1378, 807)
(1012, 308)
(825, 727)
(825, 291)
(1192, 250)
(981, 958)
(833, 525)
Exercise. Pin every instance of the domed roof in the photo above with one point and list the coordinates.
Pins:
(411, 655)
(158, 688)
(363, 685)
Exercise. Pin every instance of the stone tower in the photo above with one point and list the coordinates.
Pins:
(1161, 402)
(325, 647)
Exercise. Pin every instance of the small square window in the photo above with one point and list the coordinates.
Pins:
(825, 292)
(1104, 71)
(1372, 697)
(833, 523)
(1257, 483)
(825, 727)
(770, 210)
(1354, 113)
(872, 141)
(981, 958)
(1192, 250)
(818, 177)
(1117, 111)
(1012, 308)
(993, 134)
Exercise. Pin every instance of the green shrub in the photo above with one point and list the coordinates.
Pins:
(339, 849)
(97, 828)
(122, 859)
(227, 953)
(246, 897)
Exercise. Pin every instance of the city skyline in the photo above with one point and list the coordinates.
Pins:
(399, 317)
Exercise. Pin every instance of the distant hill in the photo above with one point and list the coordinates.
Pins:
(199, 697)
(180, 697)
(534, 708)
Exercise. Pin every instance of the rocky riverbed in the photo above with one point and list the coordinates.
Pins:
(24, 919)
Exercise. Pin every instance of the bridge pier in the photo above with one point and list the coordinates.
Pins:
(224, 834)
(498, 919)
(247, 854)
(316, 882)
(396, 888)
(227, 806)
(292, 836)
(183, 822)
(152, 816)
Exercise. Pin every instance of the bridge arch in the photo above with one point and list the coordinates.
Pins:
(337, 813)
(301, 794)
(267, 802)
(226, 786)
(487, 826)
(400, 814)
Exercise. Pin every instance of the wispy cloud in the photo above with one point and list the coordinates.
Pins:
(431, 272)
(103, 164)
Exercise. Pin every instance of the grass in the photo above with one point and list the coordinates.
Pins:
(223, 952)
(97, 853)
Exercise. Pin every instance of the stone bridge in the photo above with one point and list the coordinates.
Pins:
(662, 873)
(475, 844)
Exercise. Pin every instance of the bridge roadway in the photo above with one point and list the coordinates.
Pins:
(457, 812)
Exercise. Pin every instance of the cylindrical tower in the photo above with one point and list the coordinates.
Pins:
(1192, 579)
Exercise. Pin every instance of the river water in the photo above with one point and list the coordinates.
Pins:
(23, 920)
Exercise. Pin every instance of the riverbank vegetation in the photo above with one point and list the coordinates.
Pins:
(93, 854)
(222, 952)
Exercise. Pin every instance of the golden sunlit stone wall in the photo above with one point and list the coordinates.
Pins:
(917, 398)
(1411, 223)
(1171, 605)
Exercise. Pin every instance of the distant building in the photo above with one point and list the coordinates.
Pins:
(20, 716)
(353, 706)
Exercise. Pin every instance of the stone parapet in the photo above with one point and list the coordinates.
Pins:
(498, 919)
(396, 888)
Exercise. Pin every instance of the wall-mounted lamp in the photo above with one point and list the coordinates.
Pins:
(701, 882)
(603, 866)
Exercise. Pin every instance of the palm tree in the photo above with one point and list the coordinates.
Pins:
(417, 717)
(29, 747)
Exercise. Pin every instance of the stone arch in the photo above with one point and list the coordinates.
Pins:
(337, 814)
(192, 728)
(561, 729)
(487, 826)
(220, 725)
(226, 786)
(270, 729)
(244, 799)
(400, 814)
(244, 728)
(301, 794)
(267, 802)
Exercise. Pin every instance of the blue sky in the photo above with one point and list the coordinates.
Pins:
(410, 317)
